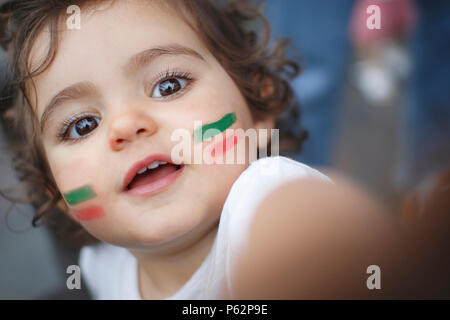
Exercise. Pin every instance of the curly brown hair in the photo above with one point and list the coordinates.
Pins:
(225, 28)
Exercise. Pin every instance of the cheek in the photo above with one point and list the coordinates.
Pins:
(218, 182)
(217, 150)
(75, 181)
(215, 98)
(89, 213)
(231, 98)
(73, 173)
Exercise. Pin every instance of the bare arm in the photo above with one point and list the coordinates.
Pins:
(312, 239)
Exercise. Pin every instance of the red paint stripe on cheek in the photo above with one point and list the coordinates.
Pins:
(89, 213)
(226, 144)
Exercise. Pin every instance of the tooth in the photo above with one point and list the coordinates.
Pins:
(163, 162)
(154, 165)
(142, 170)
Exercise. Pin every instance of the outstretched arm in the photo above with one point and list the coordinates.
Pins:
(312, 239)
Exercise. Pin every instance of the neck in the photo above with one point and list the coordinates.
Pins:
(162, 275)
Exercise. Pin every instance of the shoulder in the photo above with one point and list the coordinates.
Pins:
(253, 186)
(281, 168)
(264, 176)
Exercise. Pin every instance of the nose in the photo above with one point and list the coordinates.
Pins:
(129, 127)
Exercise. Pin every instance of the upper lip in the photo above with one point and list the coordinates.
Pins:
(132, 172)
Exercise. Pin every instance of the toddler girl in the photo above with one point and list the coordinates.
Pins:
(108, 94)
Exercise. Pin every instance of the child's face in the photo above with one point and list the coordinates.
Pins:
(130, 113)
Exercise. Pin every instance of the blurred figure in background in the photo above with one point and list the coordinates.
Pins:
(383, 66)
(321, 33)
(382, 63)
(426, 124)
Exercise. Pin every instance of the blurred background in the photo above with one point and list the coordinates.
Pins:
(375, 101)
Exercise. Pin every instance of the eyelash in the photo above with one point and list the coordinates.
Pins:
(168, 74)
(67, 125)
(161, 77)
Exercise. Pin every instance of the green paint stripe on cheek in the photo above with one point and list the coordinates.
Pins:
(80, 195)
(202, 133)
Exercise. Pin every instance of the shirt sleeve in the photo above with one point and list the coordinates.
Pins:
(247, 193)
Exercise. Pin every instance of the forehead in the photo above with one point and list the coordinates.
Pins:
(110, 34)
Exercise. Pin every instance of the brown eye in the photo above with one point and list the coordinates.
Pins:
(168, 87)
(83, 127)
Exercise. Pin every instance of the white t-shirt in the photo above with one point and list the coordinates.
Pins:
(110, 272)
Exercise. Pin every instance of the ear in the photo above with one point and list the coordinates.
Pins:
(267, 88)
(266, 122)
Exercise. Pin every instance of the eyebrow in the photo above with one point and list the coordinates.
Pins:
(143, 58)
(136, 62)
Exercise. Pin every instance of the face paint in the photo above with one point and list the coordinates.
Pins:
(80, 195)
(221, 125)
(89, 213)
(226, 144)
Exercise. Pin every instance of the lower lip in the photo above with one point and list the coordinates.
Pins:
(157, 186)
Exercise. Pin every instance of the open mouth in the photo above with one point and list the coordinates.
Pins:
(151, 175)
